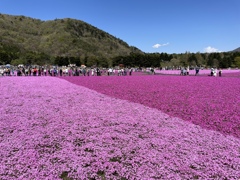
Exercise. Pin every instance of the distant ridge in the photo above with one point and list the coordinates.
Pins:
(236, 50)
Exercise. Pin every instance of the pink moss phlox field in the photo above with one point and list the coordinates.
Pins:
(204, 72)
(53, 129)
(211, 102)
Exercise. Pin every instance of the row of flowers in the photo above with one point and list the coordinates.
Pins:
(53, 129)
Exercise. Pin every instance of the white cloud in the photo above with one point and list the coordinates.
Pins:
(210, 49)
(159, 45)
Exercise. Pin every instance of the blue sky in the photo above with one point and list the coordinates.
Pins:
(171, 26)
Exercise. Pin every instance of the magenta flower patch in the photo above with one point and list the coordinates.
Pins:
(53, 129)
(212, 103)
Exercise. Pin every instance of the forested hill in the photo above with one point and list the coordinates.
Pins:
(60, 37)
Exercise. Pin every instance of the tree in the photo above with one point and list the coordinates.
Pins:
(184, 59)
(237, 61)
(16, 62)
(75, 60)
(4, 58)
(91, 61)
(200, 59)
(175, 62)
(192, 60)
(61, 61)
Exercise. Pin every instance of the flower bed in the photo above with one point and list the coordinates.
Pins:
(53, 129)
(212, 103)
(204, 72)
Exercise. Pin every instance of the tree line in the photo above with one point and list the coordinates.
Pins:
(13, 55)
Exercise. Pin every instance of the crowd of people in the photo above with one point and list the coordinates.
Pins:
(213, 71)
(36, 70)
(64, 71)
(185, 71)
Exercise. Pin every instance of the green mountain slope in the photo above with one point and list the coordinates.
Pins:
(60, 37)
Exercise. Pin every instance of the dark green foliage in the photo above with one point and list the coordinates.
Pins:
(61, 61)
(221, 60)
(64, 61)
(8, 53)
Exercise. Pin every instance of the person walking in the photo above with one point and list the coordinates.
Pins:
(220, 72)
(197, 71)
